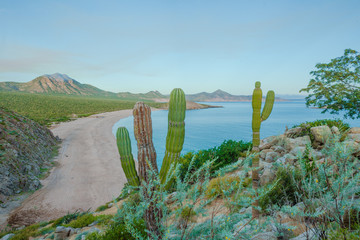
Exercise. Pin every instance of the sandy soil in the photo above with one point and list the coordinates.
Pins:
(89, 172)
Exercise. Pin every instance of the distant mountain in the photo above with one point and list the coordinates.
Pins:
(55, 84)
(217, 96)
(62, 84)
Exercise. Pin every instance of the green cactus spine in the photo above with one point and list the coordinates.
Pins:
(257, 118)
(143, 136)
(126, 157)
(176, 131)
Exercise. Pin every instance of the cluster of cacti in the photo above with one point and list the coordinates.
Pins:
(143, 134)
(257, 118)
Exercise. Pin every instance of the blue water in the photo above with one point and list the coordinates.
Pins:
(207, 128)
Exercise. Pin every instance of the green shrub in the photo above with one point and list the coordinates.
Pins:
(343, 127)
(227, 153)
(101, 208)
(283, 189)
(67, 218)
(218, 185)
(26, 233)
(82, 221)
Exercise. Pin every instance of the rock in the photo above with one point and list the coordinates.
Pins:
(267, 176)
(335, 130)
(93, 224)
(7, 236)
(110, 205)
(354, 136)
(321, 133)
(278, 149)
(298, 151)
(63, 232)
(352, 146)
(290, 143)
(271, 157)
(315, 155)
(354, 130)
(265, 165)
(293, 132)
(263, 153)
(268, 142)
(265, 236)
(287, 158)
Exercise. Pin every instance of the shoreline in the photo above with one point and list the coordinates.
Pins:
(88, 172)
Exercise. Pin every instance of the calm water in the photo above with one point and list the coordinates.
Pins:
(207, 128)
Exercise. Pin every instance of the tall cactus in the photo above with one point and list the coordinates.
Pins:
(257, 118)
(176, 131)
(143, 136)
(126, 157)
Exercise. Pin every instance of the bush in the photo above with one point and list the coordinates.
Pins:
(227, 153)
(283, 189)
(82, 221)
(343, 127)
(218, 185)
(67, 218)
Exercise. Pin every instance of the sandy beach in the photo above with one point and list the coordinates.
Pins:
(88, 172)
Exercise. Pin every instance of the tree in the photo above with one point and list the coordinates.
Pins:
(336, 85)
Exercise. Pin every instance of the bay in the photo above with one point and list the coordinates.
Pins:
(207, 128)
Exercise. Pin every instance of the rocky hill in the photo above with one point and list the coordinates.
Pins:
(55, 84)
(62, 84)
(26, 149)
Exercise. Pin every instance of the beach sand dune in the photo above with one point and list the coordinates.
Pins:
(88, 172)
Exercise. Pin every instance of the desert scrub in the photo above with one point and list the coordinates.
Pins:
(82, 221)
(67, 218)
(282, 190)
(102, 208)
(330, 194)
(217, 186)
(27, 232)
(305, 127)
(227, 153)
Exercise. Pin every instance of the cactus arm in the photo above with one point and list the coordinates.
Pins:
(176, 131)
(269, 103)
(126, 157)
(143, 136)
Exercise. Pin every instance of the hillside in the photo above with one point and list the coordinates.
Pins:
(55, 84)
(61, 84)
(26, 149)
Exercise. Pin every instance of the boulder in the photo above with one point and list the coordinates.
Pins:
(298, 151)
(265, 236)
(263, 153)
(271, 157)
(7, 236)
(335, 130)
(352, 146)
(321, 133)
(267, 176)
(268, 142)
(354, 130)
(290, 143)
(354, 136)
(278, 149)
(293, 132)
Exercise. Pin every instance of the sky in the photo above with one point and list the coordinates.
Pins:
(197, 45)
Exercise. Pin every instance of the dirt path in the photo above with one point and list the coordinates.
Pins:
(88, 174)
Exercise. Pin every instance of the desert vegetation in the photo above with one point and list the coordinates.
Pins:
(47, 109)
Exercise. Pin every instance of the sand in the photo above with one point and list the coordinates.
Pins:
(88, 172)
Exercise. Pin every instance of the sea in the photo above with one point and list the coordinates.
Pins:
(207, 128)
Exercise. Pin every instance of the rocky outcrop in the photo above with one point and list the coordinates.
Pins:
(287, 149)
(26, 149)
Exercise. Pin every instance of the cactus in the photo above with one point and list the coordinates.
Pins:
(126, 157)
(143, 136)
(176, 131)
(257, 118)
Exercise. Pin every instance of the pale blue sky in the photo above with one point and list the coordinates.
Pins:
(205, 45)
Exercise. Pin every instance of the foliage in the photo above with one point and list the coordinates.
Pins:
(67, 218)
(282, 190)
(220, 184)
(329, 193)
(343, 127)
(101, 208)
(335, 86)
(118, 231)
(47, 109)
(82, 221)
(227, 153)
